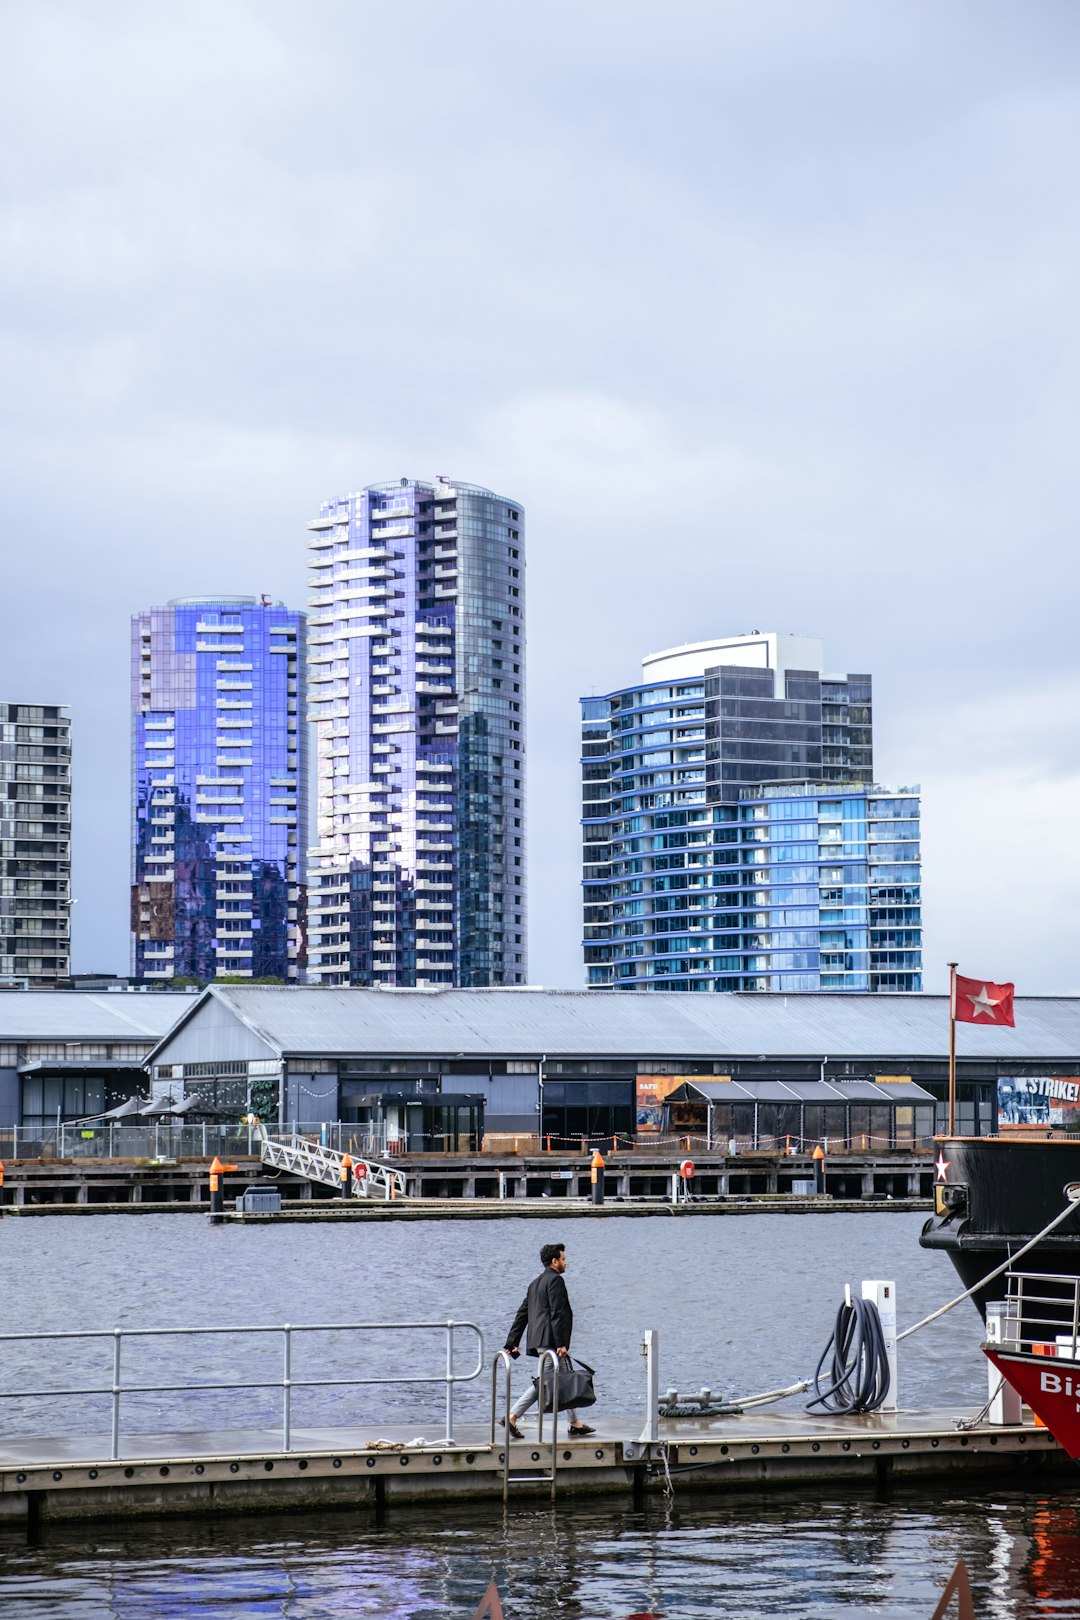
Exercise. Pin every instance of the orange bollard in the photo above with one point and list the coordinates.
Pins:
(346, 1174)
(818, 1156)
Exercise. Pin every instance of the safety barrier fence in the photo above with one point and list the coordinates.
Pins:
(161, 1140)
(167, 1139)
(114, 1342)
(763, 1142)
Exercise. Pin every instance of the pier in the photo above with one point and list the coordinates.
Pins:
(637, 1175)
(245, 1471)
(117, 1468)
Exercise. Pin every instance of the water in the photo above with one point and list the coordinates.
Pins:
(742, 1303)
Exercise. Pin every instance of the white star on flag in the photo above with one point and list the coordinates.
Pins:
(941, 1164)
(984, 1003)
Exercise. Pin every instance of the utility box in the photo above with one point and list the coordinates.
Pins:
(883, 1295)
(259, 1199)
(803, 1188)
(1003, 1327)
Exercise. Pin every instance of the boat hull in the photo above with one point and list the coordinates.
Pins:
(1050, 1387)
(992, 1196)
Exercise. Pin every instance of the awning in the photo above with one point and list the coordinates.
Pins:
(800, 1091)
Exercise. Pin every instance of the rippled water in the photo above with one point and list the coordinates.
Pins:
(775, 1556)
(741, 1303)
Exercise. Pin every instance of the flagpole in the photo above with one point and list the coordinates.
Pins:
(952, 1047)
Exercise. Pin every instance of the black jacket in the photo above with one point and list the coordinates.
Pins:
(546, 1311)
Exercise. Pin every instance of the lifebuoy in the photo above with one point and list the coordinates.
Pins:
(360, 1170)
(686, 1170)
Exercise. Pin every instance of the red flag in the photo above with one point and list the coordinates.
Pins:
(976, 1001)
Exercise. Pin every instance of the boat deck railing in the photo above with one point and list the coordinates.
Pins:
(1041, 1314)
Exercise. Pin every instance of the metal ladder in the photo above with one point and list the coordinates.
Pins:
(518, 1476)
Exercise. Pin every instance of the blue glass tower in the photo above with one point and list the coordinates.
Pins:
(733, 836)
(417, 657)
(219, 821)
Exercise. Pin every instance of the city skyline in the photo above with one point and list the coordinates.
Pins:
(733, 834)
(764, 318)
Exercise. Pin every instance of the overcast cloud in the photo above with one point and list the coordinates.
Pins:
(767, 312)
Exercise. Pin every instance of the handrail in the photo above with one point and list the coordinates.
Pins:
(1056, 1324)
(286, 1383)
(318, 1162)
(553, 1357)
(503, 1356)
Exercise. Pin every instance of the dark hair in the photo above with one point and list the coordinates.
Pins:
(550, 1252)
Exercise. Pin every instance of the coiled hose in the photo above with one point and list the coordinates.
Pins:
(859, 1371)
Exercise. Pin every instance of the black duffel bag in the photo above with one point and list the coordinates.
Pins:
(575, 1385)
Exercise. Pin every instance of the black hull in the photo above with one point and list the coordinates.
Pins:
(1002, 1192)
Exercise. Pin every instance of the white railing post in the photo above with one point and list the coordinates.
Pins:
(286, 1389)
(450, 1384)
(650, 1349)
(114, 1448)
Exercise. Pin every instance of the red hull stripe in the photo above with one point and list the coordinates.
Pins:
(1050, 1386)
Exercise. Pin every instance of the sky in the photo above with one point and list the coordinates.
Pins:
(765, 310)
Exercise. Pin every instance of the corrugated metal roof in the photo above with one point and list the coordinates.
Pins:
(793, 1091)
(597, 1023)
(83, 1015)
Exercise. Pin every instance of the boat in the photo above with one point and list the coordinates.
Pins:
(1034, 1342)
(992, 1194)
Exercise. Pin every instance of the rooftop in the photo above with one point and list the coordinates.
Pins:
(597, 1023)
(79, 1015)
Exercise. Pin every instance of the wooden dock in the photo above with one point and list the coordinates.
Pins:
(245, 1471)
(634, 1176)
(329, 1210)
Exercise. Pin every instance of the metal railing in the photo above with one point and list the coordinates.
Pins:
(546, 1357)
(110, 1140)
(1042, 1313)
(365, 1178)
(288, 1332)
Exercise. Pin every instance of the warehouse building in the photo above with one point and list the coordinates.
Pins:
(565, 1064)
(66, 1054)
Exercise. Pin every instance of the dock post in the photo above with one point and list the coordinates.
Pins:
(597, 1172)
(650, 1349)
(346, 1175)
(217, 1201)
(114, 1448)
(819, 1169)
(286, 1390)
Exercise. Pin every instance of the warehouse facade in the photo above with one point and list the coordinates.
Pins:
(567, 1064)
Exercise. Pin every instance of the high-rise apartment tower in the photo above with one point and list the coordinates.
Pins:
(219, 790)
(416, 654)
(35, 844)
(733, 835)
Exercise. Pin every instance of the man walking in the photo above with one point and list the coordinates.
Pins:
(547, 1320)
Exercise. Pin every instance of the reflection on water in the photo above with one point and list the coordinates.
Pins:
(773, 1556)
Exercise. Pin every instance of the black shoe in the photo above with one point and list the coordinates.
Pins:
(578, 1429)
(513, 1430)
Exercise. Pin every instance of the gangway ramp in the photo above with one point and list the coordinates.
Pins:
(364, 1178)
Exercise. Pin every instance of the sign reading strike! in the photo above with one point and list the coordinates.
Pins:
(1038, 1101)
